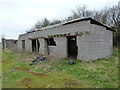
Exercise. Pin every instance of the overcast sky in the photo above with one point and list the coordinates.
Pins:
(17, 16)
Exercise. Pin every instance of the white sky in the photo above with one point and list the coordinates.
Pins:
(17, 16)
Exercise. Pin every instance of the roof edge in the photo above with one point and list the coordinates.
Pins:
(92, 21)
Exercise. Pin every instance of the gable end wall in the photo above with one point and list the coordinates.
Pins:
(97, 44)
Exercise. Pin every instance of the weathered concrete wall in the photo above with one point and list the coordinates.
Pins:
(61, 47)
(43, 47)
(72, 28)
(52, 50)
(19, 45)
(28, 45)
(9, 44)
(96, 44)
(60, 50)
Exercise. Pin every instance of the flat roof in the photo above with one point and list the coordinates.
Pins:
(92, 21)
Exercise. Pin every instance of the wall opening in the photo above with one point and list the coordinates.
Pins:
(15, 41)
(35, 45)
(72, 48)
(51, 42)
(23, 44)
(38, 45)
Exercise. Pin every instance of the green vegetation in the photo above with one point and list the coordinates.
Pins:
(56, 73)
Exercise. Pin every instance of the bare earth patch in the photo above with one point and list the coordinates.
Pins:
(26, 81)
(26, 69)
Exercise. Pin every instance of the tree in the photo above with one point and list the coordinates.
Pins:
(38, 25)
(3, 35)
(108, 16)
(45, 22)
(55, 21)
(81, 12)
(114, 18)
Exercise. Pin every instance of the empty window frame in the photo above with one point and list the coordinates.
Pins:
(15, 41)
(51, 42)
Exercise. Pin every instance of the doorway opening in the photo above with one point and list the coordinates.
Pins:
(72, 48)
(23, 44)
(35, 45)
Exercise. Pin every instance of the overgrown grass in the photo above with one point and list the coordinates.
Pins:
(17, 73)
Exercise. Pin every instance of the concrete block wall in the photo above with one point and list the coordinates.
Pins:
(19, 45)
(61, 47)
(11, 44)
(60, 50)
(72, 28)
(96, 44)
(42, 49)
(28, 45)
(52, 51)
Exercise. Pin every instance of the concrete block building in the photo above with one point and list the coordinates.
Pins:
(9, 44)
(82, 38)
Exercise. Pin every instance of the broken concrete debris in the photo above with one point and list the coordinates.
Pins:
(71, 62)
(38, 59)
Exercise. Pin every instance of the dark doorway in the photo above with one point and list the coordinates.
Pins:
(38, 45)
(35, 45)
(72, 47)
(23, 44)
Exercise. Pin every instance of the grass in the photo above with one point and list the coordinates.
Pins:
(56, 73)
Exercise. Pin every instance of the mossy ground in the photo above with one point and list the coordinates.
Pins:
(56, 73)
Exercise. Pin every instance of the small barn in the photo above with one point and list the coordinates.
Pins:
(83, 38)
